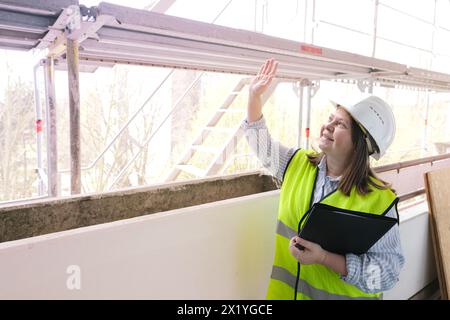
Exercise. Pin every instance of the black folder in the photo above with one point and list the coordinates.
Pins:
(344, 231)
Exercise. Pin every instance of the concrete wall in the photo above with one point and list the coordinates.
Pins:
(53, 215)
(220, 250)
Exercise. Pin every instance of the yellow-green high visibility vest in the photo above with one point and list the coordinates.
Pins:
(316, 281)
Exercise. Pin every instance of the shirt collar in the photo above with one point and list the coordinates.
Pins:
(323, 169)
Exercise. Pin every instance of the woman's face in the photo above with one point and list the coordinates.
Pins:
(336, 135)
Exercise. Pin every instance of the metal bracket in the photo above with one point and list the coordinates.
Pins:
(298, 85)
(315, 86)
(73, 18)
(76, 23)
(42, 176)
(305, 83)
(88, 14)
(364, 84)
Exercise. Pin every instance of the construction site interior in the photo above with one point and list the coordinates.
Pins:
(132, 169)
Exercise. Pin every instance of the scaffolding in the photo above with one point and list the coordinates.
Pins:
(79, 38)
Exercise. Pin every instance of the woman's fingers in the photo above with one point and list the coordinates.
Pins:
(267, 67)
(307, 244)
(260, 72)
(262, 80)
(268, 72)
(294, 240)
(273, 68)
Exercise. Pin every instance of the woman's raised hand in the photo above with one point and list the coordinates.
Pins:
(262, 80)
(258, 85)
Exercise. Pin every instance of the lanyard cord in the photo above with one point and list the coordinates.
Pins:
(299, 229)
(296, 281)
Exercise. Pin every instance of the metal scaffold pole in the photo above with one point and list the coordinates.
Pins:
(74, 106)
(308, 115)
(52, 145)
(39, 132)
(300, 114)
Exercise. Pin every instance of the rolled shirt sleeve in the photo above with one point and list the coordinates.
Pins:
(273, 155)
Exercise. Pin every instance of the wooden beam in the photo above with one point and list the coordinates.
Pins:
(438, 196)
(74, 106)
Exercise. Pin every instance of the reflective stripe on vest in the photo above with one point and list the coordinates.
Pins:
(316, 281)
(281, 274)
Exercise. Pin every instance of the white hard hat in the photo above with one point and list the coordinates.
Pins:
(375, 117)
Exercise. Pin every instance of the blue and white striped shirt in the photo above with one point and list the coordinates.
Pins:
(375, 271)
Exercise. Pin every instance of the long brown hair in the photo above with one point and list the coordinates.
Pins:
(358, 173)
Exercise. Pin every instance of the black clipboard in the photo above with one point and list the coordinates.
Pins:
(344, 231)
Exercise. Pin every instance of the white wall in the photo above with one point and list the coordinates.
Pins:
(221, 250)
(213, 251)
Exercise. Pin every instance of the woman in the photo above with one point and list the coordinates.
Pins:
(340, 176)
